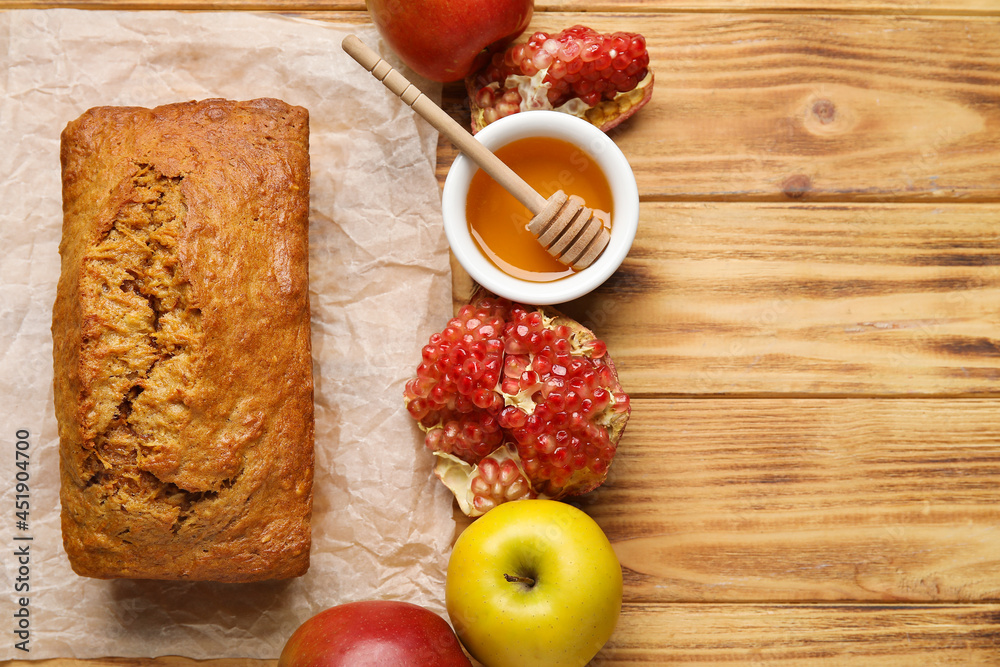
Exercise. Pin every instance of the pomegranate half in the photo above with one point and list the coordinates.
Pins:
(516, 402)
(603, 78)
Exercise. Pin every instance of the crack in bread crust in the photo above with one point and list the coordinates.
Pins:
(145, 329)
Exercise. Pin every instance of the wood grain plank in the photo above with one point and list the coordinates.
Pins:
(814, 635)
(759, 500)
(769, 299)
(755, 107)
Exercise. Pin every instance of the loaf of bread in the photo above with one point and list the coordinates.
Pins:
(183, 374)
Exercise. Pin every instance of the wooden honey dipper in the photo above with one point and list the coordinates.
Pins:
(572, 233)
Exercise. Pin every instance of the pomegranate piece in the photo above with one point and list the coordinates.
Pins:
(517, 402)
(604, 78)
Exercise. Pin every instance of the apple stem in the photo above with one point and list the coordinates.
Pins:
(514, 578)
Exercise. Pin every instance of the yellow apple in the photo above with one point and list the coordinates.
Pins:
(534, 583)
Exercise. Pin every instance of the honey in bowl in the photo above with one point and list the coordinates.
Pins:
(497, 221)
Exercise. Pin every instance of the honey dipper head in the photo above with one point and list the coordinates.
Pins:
(572, 233)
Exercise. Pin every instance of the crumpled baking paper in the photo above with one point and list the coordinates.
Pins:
(380, 284)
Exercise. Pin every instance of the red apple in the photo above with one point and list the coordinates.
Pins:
(445, 40)
(374, 633)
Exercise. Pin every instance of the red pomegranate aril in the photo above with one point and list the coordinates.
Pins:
(482, 398)
(473, 368)
(601, 398)
(541, 60)
(620, 62)
(589, 50)
(472, 432)
(531, 466)
(537, 419)
(418, 408)
(465, 384)
(515, 364)
(541, 365)
(512, 417)
(510, 385)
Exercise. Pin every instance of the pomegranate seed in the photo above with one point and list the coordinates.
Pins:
(417, 408)
(465, 384)
(637, 46)
(541, 59)
(542, 365)
(482, 398)
(531, 466)
(512, 417)
(601, 398)
(590, 50)
(569, 51)
(508, 472)
(560, 457)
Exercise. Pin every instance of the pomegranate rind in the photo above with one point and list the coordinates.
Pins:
(457, 475)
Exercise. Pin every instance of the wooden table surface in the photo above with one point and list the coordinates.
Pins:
(808, 323)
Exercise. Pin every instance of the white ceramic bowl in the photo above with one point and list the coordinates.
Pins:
(624, 192)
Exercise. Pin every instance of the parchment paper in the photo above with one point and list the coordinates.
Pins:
(380, 284)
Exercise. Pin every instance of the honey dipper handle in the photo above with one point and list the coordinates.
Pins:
(444, 123)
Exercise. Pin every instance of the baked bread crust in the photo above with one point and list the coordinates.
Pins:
(183, 373)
